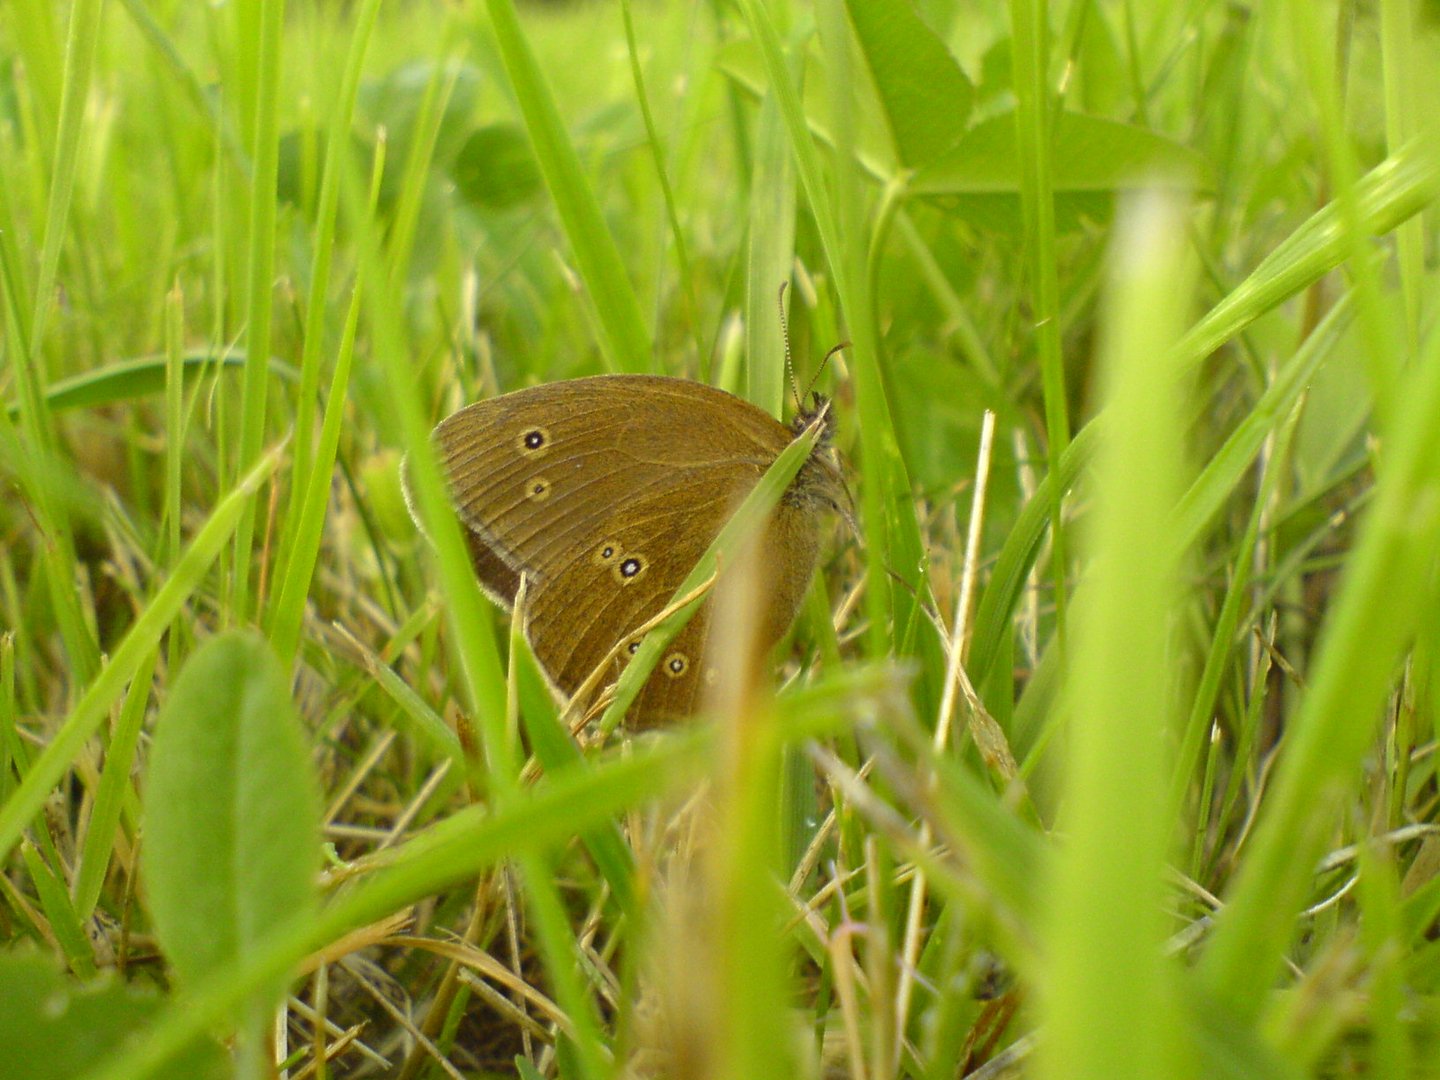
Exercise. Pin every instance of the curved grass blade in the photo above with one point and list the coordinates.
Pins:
(626, 342)
(93, 707)
(128, 380)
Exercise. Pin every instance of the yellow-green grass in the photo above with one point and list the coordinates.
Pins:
(1139, 782)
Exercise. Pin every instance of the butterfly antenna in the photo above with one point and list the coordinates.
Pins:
(785, 336)
(823, 361)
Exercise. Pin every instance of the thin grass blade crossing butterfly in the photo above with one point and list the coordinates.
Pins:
(604, 492)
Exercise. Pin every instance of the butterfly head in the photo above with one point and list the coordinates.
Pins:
(818, 409)
(821, 481)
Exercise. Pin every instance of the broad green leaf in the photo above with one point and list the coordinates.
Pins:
(144, 376)
(394, 102)
(1091, 154)
(299, 163)
(544, 817)
(874, 149)
(495, 168)
(978, 176)
(1092, 158)
(231, 819)
(54, 1028)
(925, 96)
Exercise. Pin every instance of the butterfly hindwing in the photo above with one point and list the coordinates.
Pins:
(608, 592)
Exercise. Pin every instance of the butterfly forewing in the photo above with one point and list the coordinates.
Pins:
(605, 492)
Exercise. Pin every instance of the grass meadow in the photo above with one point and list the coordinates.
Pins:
(1104, 746)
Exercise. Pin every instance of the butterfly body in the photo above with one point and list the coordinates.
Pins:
(604, 492)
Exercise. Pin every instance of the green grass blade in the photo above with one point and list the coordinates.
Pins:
(556, 751)
(115, 788)
(1222, 641)
(478, 660)
(27, 353)
(80, 47)
(414, 172)
(847, 263)
(1030, 56)
(308, 513)
(564, 961)
(672, 211)
(1315, 50)
(474, 642)
(265, 149)
(744, 935)
(1017, 555)
(427, 724)
(59, 913)
(747, 518)
(40, 476)
(337, 142)
(448, 852)
(1382, 939)
(626, 344)
(1006, 861)
(143, 637)
(1106, 994)
(1391, 193)
(1372, 618)
(769, 261)
(1405, 88)
(1226, 468)
(883, 156)
(204, 103)
(10, 756)
(174, 420)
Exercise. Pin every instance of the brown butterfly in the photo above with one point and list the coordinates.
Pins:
(604, 492)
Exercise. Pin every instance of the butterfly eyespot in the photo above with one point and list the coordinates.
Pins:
(630, 568)
(538, 489)
(633, 647)
(606, 553)
(676, 664)
(533, 441)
